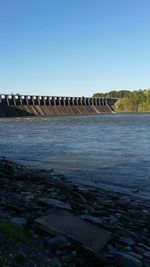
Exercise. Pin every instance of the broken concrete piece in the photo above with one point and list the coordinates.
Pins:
(54, 203)
(58, 242)
(92, 219)
(90, 237)
(19, 221)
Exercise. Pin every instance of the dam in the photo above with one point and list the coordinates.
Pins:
(14, 105)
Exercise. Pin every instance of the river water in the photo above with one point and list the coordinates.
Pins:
(108, 149)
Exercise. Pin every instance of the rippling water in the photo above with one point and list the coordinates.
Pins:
(111, 149)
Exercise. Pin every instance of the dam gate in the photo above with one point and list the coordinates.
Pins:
(27, 105)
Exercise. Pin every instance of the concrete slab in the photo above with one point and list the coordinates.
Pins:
(54, 203)
(90, 237)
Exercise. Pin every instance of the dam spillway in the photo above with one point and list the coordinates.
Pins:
(12, 105)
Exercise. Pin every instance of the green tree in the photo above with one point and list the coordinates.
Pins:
(129, 101)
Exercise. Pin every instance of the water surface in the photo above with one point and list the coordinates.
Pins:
(113, 149)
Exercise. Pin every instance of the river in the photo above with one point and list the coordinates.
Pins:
(108, 149)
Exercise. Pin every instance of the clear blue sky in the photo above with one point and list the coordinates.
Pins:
(74, 47)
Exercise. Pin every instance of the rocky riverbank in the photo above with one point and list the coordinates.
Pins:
(22, 243)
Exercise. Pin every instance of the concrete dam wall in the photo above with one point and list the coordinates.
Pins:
(20, 105)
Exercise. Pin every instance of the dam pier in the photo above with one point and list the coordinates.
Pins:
(12, 105)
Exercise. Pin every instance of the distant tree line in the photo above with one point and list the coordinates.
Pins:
(129, 101)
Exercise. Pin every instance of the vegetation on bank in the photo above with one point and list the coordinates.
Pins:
(17, 233)
(135, 101)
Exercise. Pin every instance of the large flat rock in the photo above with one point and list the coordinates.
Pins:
(54, 203)
(91, 237)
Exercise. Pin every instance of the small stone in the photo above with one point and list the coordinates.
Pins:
(68, 258)
(113, 220)
(92, 219)
(58, 242)
(146, 263)
(130, 234)
(144, 246)
(139, 250)
(90, 209)
(126, 260)
(55, 263)
(146, 254)
(148, 242)
(138, 256)
(19, 221)
(55, 203)
(128, 248)
(124, 200)
(83, 189)
(134, 213)
(29, 197)
(80, 197)
(99, 213)
(135, 190)
(111, 249)
(127, 241)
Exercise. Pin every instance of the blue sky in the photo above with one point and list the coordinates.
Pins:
(74, 47)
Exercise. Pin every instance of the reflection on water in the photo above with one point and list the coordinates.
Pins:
(112, 149)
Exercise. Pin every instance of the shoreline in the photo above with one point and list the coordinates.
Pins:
(126, 218)
(133, 193)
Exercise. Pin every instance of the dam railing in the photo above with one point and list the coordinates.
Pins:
(14, 105)
(17, 100)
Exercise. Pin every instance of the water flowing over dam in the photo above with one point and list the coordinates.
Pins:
(26, 105)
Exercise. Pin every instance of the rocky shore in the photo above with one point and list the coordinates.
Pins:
(23, 243)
